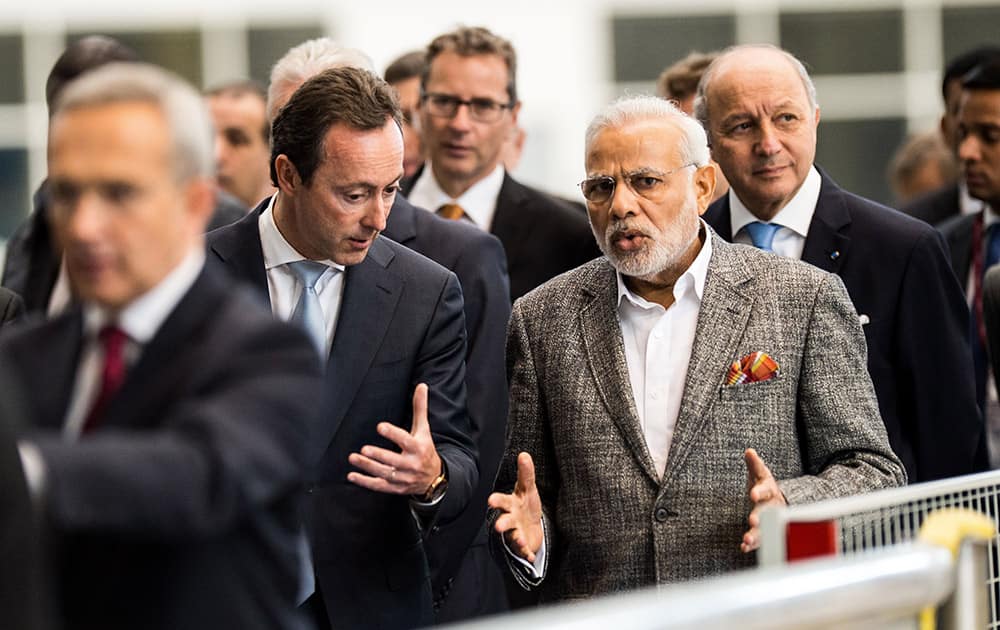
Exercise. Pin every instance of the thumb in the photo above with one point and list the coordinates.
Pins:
(525, 474)
(420, 410)
(756, 468)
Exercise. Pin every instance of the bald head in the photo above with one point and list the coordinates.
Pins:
(759, 108)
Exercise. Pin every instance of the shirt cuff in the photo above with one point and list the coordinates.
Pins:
(534, 570)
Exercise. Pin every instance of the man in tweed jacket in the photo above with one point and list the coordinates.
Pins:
(630, 455)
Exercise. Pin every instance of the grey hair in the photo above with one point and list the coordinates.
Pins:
(305, 61)
(181, 105)
(701, 103)
(693, 147)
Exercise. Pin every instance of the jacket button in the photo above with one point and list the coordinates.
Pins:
(660, 514)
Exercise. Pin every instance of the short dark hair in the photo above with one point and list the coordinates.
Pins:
(85, 54)
(244, 87)
(469, 42)
(985, 76)
(960, 66)
(680, 79)
(408, 66)
(346, 95)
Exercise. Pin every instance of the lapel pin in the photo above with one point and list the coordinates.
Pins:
(834, 255)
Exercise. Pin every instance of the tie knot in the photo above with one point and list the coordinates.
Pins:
(762, 234)
(111, 336)
(451, 211)
(307, 272)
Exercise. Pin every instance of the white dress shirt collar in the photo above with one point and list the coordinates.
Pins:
(142, 317)
(967, 204)
(479, 201)
(796, 215)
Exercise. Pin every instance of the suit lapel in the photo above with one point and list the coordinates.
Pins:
(371, 294)
(508, 222)
(238, 247)
(606, 358)
(828, 241)
(152, 381)
(56, 354)
(725, 310)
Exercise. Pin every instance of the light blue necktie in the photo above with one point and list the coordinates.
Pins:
(308, 313)
(762, 234)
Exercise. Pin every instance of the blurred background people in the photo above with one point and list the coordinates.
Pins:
(921, 165)
(404, 75)
(242, 140)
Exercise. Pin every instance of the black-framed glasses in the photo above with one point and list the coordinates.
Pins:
(646, 183)
(480, 109)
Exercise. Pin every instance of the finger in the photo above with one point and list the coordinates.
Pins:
(501, 501)
(506, 523)
(756, 468)
(764, 492)
(377, 484)
(750, 541)
(396, 435)
(525, 474)
(372, 467)
(386, 457)
(420, 423)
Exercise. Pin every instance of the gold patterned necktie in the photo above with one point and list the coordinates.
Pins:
(451, 211)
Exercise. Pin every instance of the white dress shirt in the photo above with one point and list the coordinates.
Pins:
(658, 344)
(139, 321)
(794, 218)
(282, 285)
(479, 201)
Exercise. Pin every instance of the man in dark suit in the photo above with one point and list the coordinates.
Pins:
(759, 108)
(952, 200)
(388, 320)
(166, 447)
(33, 258)
(466, 583)
(468, 109)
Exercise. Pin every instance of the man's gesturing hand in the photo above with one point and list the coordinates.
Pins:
(763, 491)
(410, 471)
(521, 522)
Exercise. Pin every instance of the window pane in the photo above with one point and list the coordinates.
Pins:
(13, 189)
(965, 28)
(845, 42)
(267, 45)
(855, 153)
(176, 50)
(11, 69)
(644, 46)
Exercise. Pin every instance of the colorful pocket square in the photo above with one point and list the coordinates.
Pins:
(753, 368)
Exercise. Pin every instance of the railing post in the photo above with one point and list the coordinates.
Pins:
(968, 606)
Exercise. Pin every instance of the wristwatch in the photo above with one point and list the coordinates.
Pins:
(437, 488)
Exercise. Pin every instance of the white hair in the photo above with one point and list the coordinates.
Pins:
(701, 103)
(305, 61)
(181, 105)
(694, 144)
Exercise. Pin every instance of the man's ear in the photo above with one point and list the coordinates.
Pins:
(704, 186)
(288, 175)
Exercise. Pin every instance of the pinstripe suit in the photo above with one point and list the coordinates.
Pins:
(611, 523)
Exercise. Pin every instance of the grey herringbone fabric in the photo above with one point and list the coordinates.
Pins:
(817, 424)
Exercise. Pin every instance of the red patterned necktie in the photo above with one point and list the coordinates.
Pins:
(112, 341)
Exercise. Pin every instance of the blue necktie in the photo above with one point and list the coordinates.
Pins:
(308, 313)
(762, 234)
(992, 246)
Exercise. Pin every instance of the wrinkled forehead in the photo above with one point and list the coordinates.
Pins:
(650, 144)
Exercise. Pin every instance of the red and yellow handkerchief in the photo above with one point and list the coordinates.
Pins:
(753, 368)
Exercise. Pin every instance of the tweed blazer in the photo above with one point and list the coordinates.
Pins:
(611, 522)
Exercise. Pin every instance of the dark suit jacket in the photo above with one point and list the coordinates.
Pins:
(991, 317)
(957, 232)
(897, 273)
(542, 235)
(11, 306)
(477, 258)
(935, 206)
(180, 509)
(400, 324)
(33, 256)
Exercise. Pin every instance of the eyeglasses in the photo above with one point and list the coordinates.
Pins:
(648, 184)
(481, 109)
